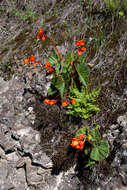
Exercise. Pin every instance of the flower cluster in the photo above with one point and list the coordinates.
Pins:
(49, 69)
(64, 102)
(31, 60)
(41, 35)
(80, 44)
(50, 102)
(78, 143)
(48, 66)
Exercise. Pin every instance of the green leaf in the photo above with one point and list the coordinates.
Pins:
(51, 91)
(81, 59)
(69, 57)
(95, 134)
(53, 60)
(57, 68)
(83, 72)
(56, 54)
(100, 150)
(60, 85)
(67, 79)
(121, 13)
(81, 131)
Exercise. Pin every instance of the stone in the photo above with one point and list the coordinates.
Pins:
(18, 178)
(32, 175)
(42, 159)
(6, 142)
(36, 80)
(14, 157)
(4, 171)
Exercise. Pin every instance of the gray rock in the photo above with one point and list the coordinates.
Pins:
(41, 158)
(17, 138)
(5, 183)
(18, 178)
(2, 153)
(36, 80)
(14, 157)
(6, 142)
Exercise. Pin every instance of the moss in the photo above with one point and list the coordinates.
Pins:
(116, 5)
(7, 69)
(22, 13)
(2, 10)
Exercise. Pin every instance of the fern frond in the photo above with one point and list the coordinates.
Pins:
(85, 102)
(53, 60)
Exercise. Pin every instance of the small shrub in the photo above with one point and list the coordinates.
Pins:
(90, 142)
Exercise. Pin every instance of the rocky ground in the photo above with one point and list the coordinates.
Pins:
(35, 138)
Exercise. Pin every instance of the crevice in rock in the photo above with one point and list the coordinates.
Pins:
(40, 165)
(2, 147)
(15, 138)
(28, 154)
(9, 151)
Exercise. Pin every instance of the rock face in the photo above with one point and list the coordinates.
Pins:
(23, 164)
(20, 149)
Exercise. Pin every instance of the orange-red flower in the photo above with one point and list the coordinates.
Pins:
(81, 137)
(40, 33)
(46, 101)
(83, 49)
(71, 63)
(75, 142)
(32, 58)
(47, 65)
(52, 102)
(79, 52)
(50, 70)
(26, 60)
(78, 144)
(82, 42)
(77, 43)
(34, 64)
(73, 101)
(43, 37)
(65, 103)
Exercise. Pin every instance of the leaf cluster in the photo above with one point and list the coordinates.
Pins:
(96, 148)
(66, 74)
(85, 102)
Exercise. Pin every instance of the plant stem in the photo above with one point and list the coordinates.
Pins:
(89, 141)
(54, 47)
